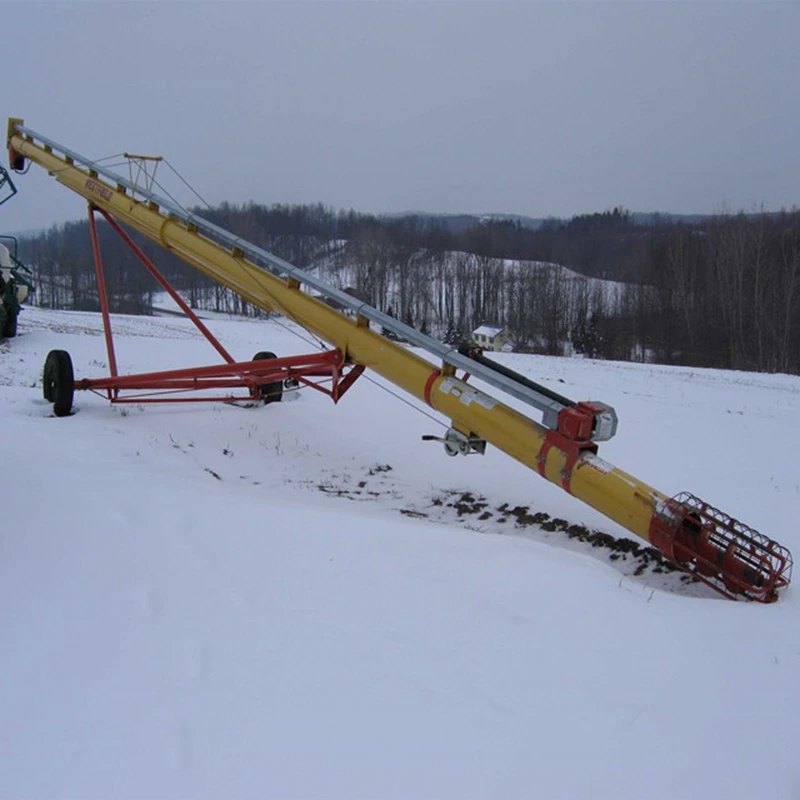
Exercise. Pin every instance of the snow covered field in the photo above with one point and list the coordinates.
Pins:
(305, 600)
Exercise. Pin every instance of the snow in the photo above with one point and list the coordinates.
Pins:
(214, 601)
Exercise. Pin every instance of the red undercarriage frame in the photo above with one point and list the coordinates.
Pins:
(263, 379)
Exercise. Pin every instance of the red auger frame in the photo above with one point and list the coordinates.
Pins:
(264, 377)
(724, 553)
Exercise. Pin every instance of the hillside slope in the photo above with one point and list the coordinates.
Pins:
(296, 600)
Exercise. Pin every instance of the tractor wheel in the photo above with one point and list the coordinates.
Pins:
(10, 326)
(269, 392)
(58, 382)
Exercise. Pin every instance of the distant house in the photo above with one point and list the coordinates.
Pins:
(490, 337)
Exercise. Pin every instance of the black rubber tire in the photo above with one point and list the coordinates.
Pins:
(269, 392)
(58, 382)
(48, 377)
(10, 327)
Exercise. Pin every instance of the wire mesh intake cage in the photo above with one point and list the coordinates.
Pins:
(717, 549)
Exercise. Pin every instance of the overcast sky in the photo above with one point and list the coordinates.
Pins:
(527, 108)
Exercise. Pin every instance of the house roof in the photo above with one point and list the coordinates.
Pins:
(487, 330)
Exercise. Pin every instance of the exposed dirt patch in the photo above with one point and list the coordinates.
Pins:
(641, 557)
(467, 504)
(632, 558)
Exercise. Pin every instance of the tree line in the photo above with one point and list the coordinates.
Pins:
(723, 291)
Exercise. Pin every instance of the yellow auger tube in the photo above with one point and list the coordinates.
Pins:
(619, 496)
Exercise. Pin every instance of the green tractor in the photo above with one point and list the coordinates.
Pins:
(15, 283)
(15, 279)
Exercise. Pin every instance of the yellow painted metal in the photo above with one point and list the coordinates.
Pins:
(614, 493)
(12, 123)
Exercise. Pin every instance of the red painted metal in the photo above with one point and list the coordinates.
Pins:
(326, 367)
(340, 387)
(162, 281)
(724, 553)
(573, 437)
(577, 422)
(429, 385)
(571, 449)
(250, 375)
(101, 288)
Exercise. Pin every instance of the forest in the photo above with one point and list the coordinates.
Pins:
(720, 291)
